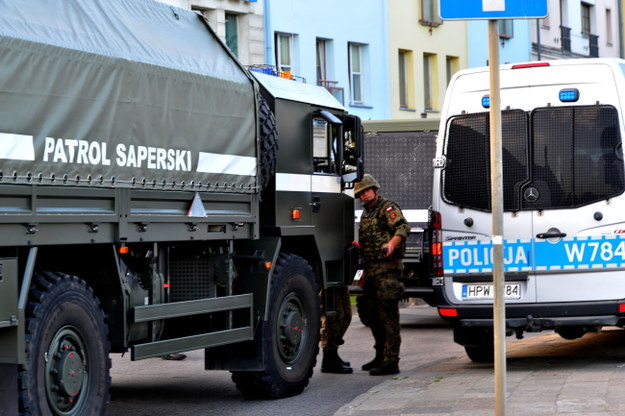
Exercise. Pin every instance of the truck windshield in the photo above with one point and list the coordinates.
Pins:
(566, 156)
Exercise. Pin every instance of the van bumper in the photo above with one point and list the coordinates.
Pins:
(537, 317)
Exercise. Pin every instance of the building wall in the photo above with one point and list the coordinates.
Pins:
(339, 23)
(250, 24)
(440, 42)
(515, 49)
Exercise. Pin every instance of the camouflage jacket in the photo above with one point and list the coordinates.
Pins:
(378, 225)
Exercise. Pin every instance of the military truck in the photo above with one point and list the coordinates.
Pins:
(157, 197)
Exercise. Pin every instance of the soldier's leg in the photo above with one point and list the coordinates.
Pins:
(389, 293)
(368, 311)
(333, 327)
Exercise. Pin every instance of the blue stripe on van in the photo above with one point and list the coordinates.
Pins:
(593, 252)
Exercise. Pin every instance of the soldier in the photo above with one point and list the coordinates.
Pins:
(382, 234)
(334, 323)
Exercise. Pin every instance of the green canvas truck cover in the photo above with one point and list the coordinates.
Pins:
(130, 93)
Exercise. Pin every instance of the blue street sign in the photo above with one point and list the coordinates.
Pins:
(492, 9)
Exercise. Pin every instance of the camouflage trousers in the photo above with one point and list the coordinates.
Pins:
(334, 324)
(380, 306)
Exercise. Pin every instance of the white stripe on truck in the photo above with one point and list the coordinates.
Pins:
(17, 147)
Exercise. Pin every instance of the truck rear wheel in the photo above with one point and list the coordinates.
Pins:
(290, 337)
(67, 368)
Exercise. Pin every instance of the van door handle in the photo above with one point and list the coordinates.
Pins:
(551, 234)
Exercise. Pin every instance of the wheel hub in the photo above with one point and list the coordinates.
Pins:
(291, 326)
(65, 372)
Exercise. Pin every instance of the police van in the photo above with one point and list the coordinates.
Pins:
(563, 202)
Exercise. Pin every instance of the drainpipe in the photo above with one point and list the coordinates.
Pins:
(538, 39)
(620, 29)
(268, 36)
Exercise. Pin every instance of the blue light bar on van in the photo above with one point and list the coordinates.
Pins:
(570, 95)
(486, 101)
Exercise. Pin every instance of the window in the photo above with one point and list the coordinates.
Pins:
(585, 19)
(506, 28)
(284, 47)
(232, 33)
(324, 146)
(322, 72)
(355, 73)
(403, 79)
(571, 155)
(427, 82)
(451, 65)
(429, 13)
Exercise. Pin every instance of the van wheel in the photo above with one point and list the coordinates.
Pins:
(481, 354)
(570, 332)
(268, 143)
(290, 336)
(67, 368)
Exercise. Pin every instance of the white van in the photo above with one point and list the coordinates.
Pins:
(564, 208)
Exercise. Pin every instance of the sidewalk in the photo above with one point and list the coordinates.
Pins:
(546, 375)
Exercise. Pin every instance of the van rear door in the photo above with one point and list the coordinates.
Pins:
(562, 172)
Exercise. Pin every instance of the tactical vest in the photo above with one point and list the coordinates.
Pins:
(374, 231)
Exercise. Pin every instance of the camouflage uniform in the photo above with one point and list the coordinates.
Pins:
(333, 327)
(382, 289)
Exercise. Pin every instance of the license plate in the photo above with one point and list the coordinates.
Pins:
(358, 275)
(487, 291)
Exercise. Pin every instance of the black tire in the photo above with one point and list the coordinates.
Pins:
(268, 143)
(481, 354)
(290, 337)
(571, 332)
(67, 368)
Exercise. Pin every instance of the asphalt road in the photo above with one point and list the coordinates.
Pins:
(156, 387)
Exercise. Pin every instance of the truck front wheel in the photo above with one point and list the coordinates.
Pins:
(290, 336)
(67, 368)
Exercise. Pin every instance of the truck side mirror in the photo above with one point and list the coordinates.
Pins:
(352, 149)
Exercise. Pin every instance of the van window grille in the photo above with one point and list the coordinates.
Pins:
(573, 157)
(466, 177)
(576, 156)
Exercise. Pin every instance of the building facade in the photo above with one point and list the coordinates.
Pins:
(239, 23)
(340, 45)
(578, 29)
(423, 53)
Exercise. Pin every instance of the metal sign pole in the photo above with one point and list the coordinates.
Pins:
(496, 177)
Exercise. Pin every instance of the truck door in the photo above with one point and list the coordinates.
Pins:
(332, 210)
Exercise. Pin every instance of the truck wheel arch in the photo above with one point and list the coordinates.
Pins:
(65, 329)
(290, 336)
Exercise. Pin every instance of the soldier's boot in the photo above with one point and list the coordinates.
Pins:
(379, 357)
(332, 363)
(384, 369)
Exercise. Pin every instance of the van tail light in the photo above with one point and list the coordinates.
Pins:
(448, 312)
(436, 243)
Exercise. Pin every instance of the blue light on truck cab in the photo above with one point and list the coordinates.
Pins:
(569, 95)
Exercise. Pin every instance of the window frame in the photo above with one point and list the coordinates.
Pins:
(228, 33)
(279, 36)
(429, 13)
(356, 76)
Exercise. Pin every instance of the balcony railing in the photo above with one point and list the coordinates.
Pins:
(337, 92)
(565, 39)
(593, 46)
